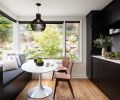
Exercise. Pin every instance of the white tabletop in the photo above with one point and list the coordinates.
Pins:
(31, 67)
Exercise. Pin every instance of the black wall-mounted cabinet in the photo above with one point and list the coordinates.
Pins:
(106, 77)
(111, 13)
(94, 22)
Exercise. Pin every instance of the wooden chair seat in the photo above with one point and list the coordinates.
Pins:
(62, 75)
(61, 68)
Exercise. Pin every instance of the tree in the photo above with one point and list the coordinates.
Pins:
(49, 41)
(5, 31)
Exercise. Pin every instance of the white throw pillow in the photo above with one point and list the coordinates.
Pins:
(10, 64)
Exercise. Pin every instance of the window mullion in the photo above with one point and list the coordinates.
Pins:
(64, 39)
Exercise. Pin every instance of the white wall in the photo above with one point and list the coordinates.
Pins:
(79, 68)
(5, 10)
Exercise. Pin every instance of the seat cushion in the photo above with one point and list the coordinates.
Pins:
(60, 68)
(8, 76)
(62, 75)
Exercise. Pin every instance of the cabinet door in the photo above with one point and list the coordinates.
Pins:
(106, 77)
(114, 80)
(100, 73)
(89, 46)
(93, 30)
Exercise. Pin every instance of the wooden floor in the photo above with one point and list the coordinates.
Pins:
(83, 90)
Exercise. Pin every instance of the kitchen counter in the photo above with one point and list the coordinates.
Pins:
(111, 60)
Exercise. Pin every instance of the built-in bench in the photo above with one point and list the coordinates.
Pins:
(13, 82)
(9, 76)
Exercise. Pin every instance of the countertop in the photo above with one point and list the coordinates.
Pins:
(111, 60)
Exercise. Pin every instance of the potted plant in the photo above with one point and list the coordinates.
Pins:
(103, 42)
(117, 55)
(39, 62)
(36, 55)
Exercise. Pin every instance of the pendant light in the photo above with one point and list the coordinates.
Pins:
(38, 24)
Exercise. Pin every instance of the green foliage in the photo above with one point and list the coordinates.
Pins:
(33, 53)
(117, 54)
(5, 30)
(49, 42)
(0, 54)
(36, 54)
(103, 42)
(73, 39)
(39, 60)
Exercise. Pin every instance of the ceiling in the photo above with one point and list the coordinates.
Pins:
(54, 7)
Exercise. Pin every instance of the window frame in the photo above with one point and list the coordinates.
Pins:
(79, 22)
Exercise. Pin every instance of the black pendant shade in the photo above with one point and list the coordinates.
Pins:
(38, 24)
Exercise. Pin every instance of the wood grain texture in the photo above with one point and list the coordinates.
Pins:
(83, 90)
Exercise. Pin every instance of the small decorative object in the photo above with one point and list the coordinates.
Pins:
(39, 62)
(116, 30)
(112, 55)
(103, 42)
(111, 31)
(47, 64)
(108, 55)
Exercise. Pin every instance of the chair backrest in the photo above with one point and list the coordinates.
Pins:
(69, 70)
(65, 61)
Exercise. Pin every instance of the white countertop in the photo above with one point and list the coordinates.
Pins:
(111, 60)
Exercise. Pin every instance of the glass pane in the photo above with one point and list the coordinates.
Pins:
(72, 38)
(47, 44)
(6, 35)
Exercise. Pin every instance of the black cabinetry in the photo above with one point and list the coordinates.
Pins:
(1, 82)
(111, 13)
(94, 28)
(106, 77)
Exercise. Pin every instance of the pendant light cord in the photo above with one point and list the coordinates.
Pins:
(38, 9)
(38, 4)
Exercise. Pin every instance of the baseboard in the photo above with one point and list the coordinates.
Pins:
(79, 77)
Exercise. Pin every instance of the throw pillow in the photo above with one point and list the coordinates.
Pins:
(10, 64)
(22, 58)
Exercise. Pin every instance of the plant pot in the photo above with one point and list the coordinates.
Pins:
(35, 60)
(40, 64)
(103, 52)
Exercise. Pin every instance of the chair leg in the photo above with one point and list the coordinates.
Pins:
(53, 75)
(71, 88)
(56, 84)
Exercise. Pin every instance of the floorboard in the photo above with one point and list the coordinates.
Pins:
(83, 89)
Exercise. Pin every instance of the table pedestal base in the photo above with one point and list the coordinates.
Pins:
(39, 92)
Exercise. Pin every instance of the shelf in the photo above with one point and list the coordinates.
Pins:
(115, 34)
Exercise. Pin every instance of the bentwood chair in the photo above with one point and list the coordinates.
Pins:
(65, 77)
(63, 68)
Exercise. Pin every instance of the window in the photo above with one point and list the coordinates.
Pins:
(53, 43)
(6, 35)
(72, 40)
(47, 44)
